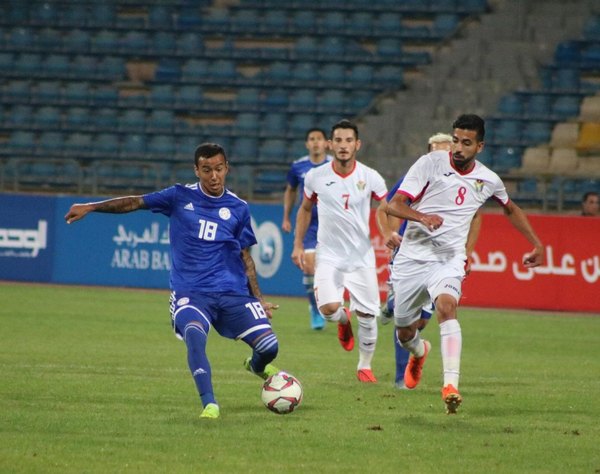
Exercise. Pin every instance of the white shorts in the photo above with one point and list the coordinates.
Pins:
(362, 285)
(417, 283)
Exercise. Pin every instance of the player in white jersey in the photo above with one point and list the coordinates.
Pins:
(345, 258)
(446, 192)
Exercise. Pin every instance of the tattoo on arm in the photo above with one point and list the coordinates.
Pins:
(251, 273)
(120, 205)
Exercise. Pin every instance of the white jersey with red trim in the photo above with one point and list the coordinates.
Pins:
(344, 206)
(436, 187)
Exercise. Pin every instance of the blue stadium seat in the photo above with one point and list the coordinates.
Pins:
(133, 145)
(74, 16)
(164, 43)
(189, 17)
(304, 21)
(162, 95)
(390, 76)
(44, 13)
(510, 105)
(275, 21)
(49, 39)
(105, 118)
(273, 151)
(48, 117)
(248, 99)
(194, 69)
(247, 123)
(78, 117)
(245, 149)
(134, 42)
(506, 158)
(105, 41)
(189, 43)
(77, 93)
(306, 47)
(388, 23)
(106, 145)
(103, 14)
(160, 16)
(162, 146)
(21, 142)
(539, 105)
(50, 143)
(332, 100)
(132, 120)
(333, 46)
(168, 70)
(299, 124)
(389, 47)
(49, 92)
(28, 65)
(332, 73)
(273, 124)
(303, 100)
(56, 65)
(21, 39)
(536, 132)
(103, 96)
(278, 72)
(77, 41)
(111, 67)
(566, 106)
(332, 21)
(276, 98)
(189, 96)
(77, 144)
(83, 67)
(445, 24)
(305, 72)
(162, 121)
(360, 23)
(7, 63)
(361, 74)
(16, 90)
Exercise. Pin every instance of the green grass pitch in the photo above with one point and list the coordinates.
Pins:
(93, 381)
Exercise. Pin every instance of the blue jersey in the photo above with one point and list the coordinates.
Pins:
(207, 236)
(389, 197)
(295, 179)
(297, 172)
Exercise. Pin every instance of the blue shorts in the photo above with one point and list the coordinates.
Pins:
(310, 239)
(234, 316)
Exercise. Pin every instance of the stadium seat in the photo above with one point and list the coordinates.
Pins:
(304, 21)
(510, 105)
(588, 140)
(28, 65)
(332, 21)
(78, 117)
(77, 93)
(303, 100)
(535, 160)
(162, 95)
(539, 105)
(133, 145)
(506, 158)
(273, 151)
(48, 117)
(194, 69)
(49, 39)
(331, 101)
(105, 41)
(566, 106)
(49, 92)
(304, 73)
(306, 47)
(162, 146)
(162, 121)
(273, 125)
(274, 21)
(247, 123)
(75, 16)
(563, 161)
(590, 109)
(299, 124)
(50, 143)
(361, 23)
(16, 90)
(102, 14)
(388, 23)
(160, 16)
(332, 74)
(163, 43)
(245, 149)
(21, 142)
(21, 39)
(189, 96)
(106, 145)
(536, 132)
(78, 144)
(248, 99)
(276, 98)
(361, 75)
(564, 134)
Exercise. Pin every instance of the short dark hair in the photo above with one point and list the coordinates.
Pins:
(315, 129)
(345, 123)
(588, 194)
(208, 150)
(471, 122)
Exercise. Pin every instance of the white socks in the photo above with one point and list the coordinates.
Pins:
(415, 346)
(451, 346)
(338, 317)
(367, 339)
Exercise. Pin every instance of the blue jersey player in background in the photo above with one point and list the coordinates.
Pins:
(213, 278)
(316, 144)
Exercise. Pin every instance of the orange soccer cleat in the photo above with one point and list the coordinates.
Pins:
(451, 398)
(345, 333)
(366, 376)
(414, 369)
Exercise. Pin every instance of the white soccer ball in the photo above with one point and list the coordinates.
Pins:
(282, 393)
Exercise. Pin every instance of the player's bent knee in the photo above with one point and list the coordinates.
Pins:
(329, 309)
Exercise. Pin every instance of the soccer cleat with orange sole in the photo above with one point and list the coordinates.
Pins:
(414, 369)
(366, 376)
(345, 335)
(451, 398)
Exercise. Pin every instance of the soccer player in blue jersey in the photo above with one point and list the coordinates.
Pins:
(316, 144)
(439, 141)
(213, 278)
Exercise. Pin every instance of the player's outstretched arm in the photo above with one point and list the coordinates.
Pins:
(519, 220)
(253, 282)
(118, 205)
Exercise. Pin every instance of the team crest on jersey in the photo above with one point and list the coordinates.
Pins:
(361, 185)
(479, 185)
(182, 301)
(224, 213)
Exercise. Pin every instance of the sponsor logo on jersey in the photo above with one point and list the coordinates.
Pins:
(182, 301)
(330, 183)
(361, 185)
(479, 185)
(189, 206)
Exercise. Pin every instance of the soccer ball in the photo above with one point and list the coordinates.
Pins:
(282, 393)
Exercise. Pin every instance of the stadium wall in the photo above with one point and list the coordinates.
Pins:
(36, 245)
